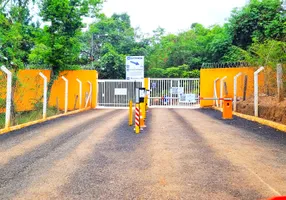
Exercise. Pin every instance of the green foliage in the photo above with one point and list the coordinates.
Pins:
(112, 64)
(268, 53)
(259, 20)
(57, 45)
(194, 74)
(16, 33)
(173, 72)
(191, 48)
(156, 73)
(113, 40)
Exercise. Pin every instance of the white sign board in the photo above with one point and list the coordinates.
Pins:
(189, 98)
(177, 90)
(120, 91)
(142, 94)
(134, 67)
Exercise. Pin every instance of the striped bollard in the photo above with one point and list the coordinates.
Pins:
(137, 119)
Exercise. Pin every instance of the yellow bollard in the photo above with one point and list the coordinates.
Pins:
(130, 113)
(142, 121)
(144, 109)
(137, 118)
(146, 102)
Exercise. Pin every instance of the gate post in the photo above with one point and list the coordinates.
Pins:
(8, 96)
(235, 90)
(256, 90)
(45, 95)
(80, 93)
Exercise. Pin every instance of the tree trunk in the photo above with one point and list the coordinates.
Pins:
(53, 76)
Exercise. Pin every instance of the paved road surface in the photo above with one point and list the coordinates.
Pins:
(183, 154)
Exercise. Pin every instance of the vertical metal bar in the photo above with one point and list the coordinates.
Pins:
(165, 94)
(256, 91)
(104, 85)
(66, 93)
(45, 95)
(198, 91)
(8, 96)
(149, 94)
(80, 93)
(221, 89)
(160, 92)
(235, 90)
(178, 95)
(89, 95)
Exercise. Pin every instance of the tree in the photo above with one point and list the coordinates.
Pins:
(58, 44)
(113, 40)
(16, 33)
(257, 21)
(16, 39)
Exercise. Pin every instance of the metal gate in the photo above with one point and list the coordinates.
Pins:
(116, 93)
(167, 92)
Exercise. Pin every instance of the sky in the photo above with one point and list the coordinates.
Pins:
(174, 16)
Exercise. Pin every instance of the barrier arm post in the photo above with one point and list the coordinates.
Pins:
(66, 93)
(256, 90)
(45, 95)
(221, 89)
(235, 90)
(215, 92)
(8, 96)
(80, 92)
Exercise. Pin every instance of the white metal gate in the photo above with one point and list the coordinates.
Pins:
(116, 93)
(169, 92)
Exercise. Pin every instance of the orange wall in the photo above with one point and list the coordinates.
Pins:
(29, 89)
(209, 75)
(58, 89)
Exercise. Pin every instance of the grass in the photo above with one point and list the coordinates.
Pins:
(2, 120)
(28, 116)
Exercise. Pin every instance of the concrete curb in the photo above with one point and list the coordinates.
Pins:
(278, 126)
(14, 128)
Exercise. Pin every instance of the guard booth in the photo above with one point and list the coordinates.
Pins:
(117, 93)
(174, 92)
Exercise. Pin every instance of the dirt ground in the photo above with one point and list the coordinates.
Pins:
(269, 108)
(182, 154)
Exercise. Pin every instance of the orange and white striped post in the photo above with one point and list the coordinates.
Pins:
(137, 118)
(137, 112)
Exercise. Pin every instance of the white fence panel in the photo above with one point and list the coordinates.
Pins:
(117, 93)
(174, 93)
